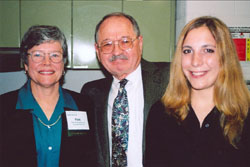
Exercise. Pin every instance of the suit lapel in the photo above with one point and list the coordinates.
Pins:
(102, 122)
(150, 83)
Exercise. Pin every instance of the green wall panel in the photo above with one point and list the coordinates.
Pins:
(86, 14)
(157, 23)
(56, 13)
(78, 18)
(9, 24)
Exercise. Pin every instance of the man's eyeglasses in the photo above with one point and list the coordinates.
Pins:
(125, 43)
(39, 56)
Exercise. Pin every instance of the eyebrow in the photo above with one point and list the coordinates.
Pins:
(46, 52)
(214, 46)
(107, 39)
(187, 46)
(203, 46)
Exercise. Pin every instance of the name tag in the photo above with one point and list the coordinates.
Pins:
(77, 120)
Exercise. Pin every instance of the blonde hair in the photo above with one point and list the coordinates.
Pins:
(231, 95)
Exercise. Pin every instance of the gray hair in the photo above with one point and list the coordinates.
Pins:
(118, 14)
(39, 34)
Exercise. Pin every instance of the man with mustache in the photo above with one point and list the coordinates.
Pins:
(118, 45)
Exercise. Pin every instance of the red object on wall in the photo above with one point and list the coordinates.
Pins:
(240, 44)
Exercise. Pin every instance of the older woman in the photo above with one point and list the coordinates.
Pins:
(202, 119)
(43, 124)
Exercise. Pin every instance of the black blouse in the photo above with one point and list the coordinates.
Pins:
(186, 144)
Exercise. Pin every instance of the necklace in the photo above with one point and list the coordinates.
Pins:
(49, 126)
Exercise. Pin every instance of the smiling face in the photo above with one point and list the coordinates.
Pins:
(45, 73)
(200, 59)
(116, 28)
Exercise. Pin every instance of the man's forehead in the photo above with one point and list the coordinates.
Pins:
(117, 19)
(116, 27)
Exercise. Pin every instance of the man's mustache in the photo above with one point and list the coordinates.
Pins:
(116, 57)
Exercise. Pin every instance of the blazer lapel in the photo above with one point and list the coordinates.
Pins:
(21, 133)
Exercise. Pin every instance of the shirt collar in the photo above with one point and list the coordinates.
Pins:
(69, 102)
(132, 78)
(26, 99)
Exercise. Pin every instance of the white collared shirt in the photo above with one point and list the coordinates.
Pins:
(134, 89)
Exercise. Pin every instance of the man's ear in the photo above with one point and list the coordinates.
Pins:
(140, 38)
(97, 49)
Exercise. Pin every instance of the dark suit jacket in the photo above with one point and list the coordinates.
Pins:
(18, 148)
(155, 79)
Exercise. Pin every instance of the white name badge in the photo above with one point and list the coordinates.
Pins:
(77, 120)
